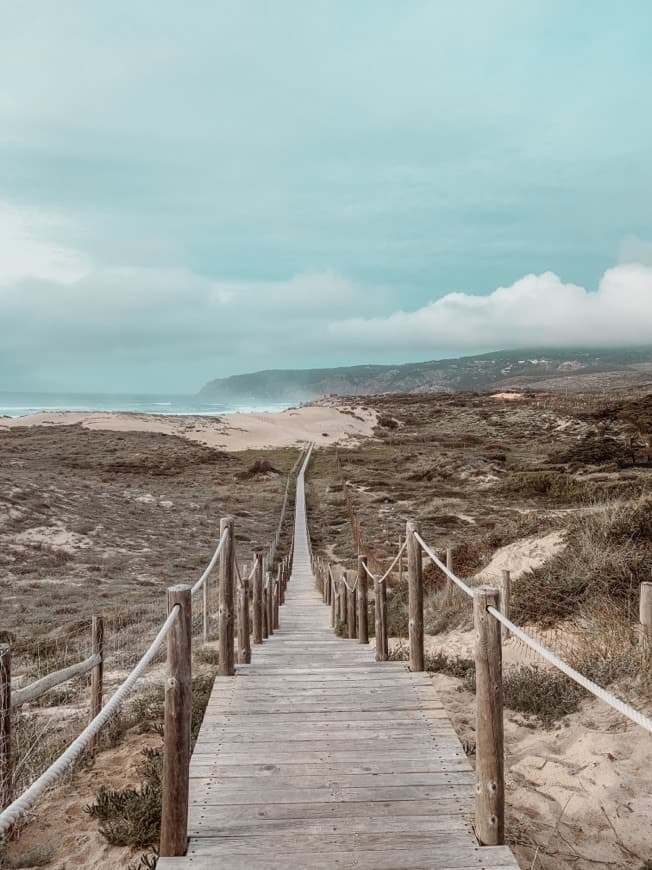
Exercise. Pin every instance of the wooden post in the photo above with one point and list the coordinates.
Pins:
(244, 639)
(265, 623)
(97, 674)
(489, 768)
(363, 625)
(350, 604)
(645, 617)
(178, 714)
(400, 560)
(380, 596)
(277, 599)
(344, 604)
(270, 603)
(449, 587)
(415, 592)
(6, 763)
(204, 598)
(258, 597)
(226, 664)
(333, 593)
(282, 569)
(505, 596)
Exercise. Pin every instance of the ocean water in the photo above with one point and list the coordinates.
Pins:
(22, 404)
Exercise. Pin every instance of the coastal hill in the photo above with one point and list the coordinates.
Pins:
(567, 369)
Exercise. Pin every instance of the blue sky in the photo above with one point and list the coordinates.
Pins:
(194, 190)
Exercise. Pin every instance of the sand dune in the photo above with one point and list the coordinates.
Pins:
(323, 422)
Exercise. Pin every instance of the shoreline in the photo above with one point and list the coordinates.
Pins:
(325, 422)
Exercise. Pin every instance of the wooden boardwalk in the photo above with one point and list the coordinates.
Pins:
(316, 756)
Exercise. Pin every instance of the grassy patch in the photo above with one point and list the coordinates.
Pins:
(608, 555)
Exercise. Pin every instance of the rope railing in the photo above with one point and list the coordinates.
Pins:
(384, 577)
(593, 688)
(178, 701)
(451, 576)
(492, 624)
(22, 804)
(213, 562)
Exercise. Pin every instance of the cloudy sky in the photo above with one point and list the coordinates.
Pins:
(190, 190)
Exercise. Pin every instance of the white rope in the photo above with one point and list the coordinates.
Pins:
(460, 583)
(20, 806)
(198, 585)
(625, 709)
(252, 572)
(382, 579)
(632, 714)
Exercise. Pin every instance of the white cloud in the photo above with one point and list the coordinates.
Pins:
(535, 311)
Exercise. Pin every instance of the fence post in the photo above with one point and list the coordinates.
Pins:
(283, 580)
(226, 664)
(97, 674)
(350, 604)
(344, 603)
(6, 762)
(505, 596)
(415, 591)
(449, 587)
(363, 624)
(265, 623)
(380, 596)
(400, 560)
(333, 594)
(244, 639)
(258, 597)
(489, 768)
(269, 601)
(645, 618)
(277, 599)
(178, 713)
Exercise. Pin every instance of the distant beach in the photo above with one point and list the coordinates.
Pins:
(23, 404)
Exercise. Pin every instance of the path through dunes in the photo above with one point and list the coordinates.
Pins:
(316, 756)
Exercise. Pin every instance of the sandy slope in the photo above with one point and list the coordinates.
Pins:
(324, 422)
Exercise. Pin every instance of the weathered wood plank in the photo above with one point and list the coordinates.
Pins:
(314, 756)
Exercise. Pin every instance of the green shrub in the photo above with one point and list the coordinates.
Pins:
(548, 695)
(132, 816)
(454, 666)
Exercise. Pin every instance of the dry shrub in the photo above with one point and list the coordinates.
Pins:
(554, 485)
(608, 555)
(259, 468)
(33, 856)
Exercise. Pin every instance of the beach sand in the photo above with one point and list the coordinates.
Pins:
(325, 422)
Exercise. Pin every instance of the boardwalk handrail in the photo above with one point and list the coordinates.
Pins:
(50, 681)
(22, 804)
(213, 562)
(172, 817)
(602, 694)
(491, 616)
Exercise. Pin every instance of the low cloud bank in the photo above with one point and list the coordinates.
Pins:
(537, 310)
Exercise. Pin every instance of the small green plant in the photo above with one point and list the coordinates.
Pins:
(132, 816)
(548, 695)
(454, 666)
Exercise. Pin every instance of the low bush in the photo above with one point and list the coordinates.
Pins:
(132, 816)
(548, 695)
(607, 555)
